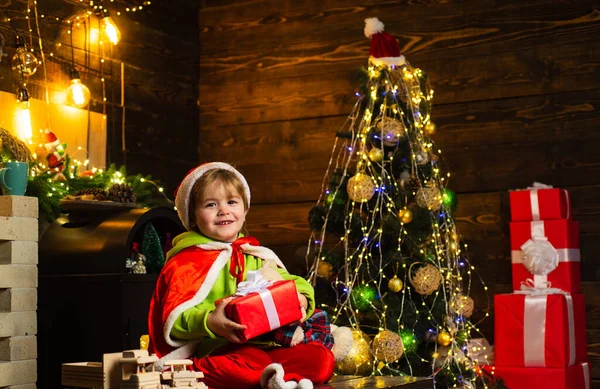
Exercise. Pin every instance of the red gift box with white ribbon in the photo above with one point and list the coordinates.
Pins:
(263, 306)
(572, 377)
(546, 252)
(539, 202)
(539, 330)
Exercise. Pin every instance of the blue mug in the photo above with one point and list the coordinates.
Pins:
(13, 178)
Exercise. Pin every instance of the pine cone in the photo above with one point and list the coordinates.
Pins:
(121, 193)
(98, 193)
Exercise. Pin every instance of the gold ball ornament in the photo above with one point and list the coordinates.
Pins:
(426, 280)
(444, 338)
(430, 127)
(325, 270)
(376, 154)
(390, 130)
(359, 360)
(360, 187)
(429, 197)
(464, 305)
(405, 215)
(395, 284)
(387, 346)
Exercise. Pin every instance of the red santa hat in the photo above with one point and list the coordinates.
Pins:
(184, 190)
(385, 49)
(51, 140)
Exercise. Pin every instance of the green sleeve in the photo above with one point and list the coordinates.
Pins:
(191, 323)
(304, 287)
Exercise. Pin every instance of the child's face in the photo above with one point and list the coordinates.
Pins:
(220, 213)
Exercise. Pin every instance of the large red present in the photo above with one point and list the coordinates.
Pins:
(546, 251)
(572, 377)
(264, 308)
(540, 202)
(539, 330)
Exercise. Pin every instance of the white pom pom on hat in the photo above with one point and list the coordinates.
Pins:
(385, 49)
(184, 190)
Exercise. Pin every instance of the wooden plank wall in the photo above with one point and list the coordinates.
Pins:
(517, 98)
(159, 55)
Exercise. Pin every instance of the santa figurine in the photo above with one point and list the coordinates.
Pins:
(56, 151)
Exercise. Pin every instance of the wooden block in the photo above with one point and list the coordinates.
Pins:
(24, 386)
(19, 228)
(18, 348)
(22, 252)
(17, 300)
(19, 206)
(18, 372)
(18, 324)
(18, 276)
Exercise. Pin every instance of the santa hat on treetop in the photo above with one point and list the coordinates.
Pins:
(385, 49)
(184, 190)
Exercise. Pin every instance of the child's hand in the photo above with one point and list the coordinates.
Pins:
(303, 306)
(218, 323)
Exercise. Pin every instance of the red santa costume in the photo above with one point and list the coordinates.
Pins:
(189, 279)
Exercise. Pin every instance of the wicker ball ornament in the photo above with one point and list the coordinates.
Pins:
(391, 131)
(360, 187)
(426, 280)
(387, 346)
(429, 197)
(359, 360)
(464, 305)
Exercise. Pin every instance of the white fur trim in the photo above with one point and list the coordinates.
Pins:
(305, 383)
(388, 61)
(186, 348)
(201, 294)
(263, 253)
(373, 26)
(342, 341)
(270, 370)
(182, 200)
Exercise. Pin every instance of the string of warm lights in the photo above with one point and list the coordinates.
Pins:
(396, 106)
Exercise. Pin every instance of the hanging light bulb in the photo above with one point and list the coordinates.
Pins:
(24, 63)
(108, 27)
(78, 95)
(23, 115)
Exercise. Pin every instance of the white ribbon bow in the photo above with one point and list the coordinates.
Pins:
(529, 287)
(539, 256)
(539, 185)
(254, 283)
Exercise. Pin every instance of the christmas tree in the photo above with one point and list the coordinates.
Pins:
(387, 257)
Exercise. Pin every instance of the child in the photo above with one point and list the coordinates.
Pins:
(205, 265)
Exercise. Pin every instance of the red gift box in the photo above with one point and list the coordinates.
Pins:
(265, 310)
(563, 235)
(540, 204)
(572, 377)
(539, 331)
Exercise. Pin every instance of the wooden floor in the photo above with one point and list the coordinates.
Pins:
(348, 382)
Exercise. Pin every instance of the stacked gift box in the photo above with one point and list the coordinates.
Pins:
(540, 329)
